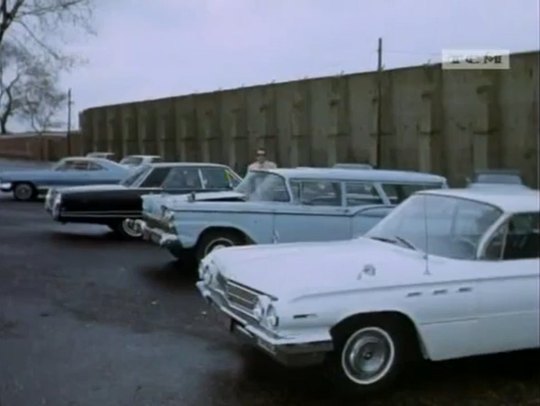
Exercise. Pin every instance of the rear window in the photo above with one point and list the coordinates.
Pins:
(398, 192)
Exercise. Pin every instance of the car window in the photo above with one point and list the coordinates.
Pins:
(183, 178)
(93, 166)
(156, 177)
(156, 159)
(516, 239)
(317, 192)
(361, 193)
(77, 165)
(397, 192)
(217, 178)
(63, 165)
(135, 176)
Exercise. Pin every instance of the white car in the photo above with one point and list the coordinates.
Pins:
(448, 274)
(134, 161)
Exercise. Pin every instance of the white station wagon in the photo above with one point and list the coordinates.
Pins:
(449, 273)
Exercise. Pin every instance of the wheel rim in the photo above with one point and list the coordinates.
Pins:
(368, 355)
(130, 231)
(23, 192)
(217, 244)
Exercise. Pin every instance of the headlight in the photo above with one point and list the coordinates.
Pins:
(271, 318)
(202, 269)
(207, 277)
(168, 216)
(258, 311)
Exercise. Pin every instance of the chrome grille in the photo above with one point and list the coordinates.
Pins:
(240, 297)
(221, 282)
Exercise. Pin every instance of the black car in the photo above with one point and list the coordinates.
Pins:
(114, 205)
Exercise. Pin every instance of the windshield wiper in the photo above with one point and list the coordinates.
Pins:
(405, 242)
(396, 240)
(384, 239)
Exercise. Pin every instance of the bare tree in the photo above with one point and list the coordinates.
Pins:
(14, 63)
(42, 100)
(34, 21)
(31, 59)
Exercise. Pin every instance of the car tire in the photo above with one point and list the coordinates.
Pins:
(368, 356)
(24, 192)
(215, 240)
(123, 229)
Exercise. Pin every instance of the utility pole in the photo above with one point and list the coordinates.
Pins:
(379, 104)
(68, 133)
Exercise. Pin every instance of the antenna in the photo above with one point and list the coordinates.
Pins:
(426, 234)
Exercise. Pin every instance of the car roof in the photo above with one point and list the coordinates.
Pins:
(142, 156)
(102, 161)
(497, 172)
(511, 200)
(179, 164)
(376, 175)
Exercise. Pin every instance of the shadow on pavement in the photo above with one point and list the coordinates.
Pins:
(174, 276)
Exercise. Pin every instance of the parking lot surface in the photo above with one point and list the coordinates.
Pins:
(89, 319)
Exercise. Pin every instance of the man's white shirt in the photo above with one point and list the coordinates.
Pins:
(265, 165)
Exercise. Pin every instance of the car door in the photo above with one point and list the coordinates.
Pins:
(317, 213)
(509, 287)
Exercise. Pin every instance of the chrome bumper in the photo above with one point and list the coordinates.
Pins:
(156, 235)
(287, 351)
(6, 187)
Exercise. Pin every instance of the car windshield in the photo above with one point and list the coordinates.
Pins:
(445, 226)
(264, 186)
(131, 160)
(135, 176)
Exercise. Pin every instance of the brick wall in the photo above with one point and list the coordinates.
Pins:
(39, 148)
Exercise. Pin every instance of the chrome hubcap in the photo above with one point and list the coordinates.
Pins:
(368, 355)
(129, 230)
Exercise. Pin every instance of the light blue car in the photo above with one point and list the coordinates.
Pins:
(74, 171)
(279, 206)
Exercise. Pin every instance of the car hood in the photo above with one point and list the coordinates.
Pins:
(26, 174)
(154, 203)
(90, 188)
(300, 269)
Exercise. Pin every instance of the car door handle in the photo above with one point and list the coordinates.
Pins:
(465, 289)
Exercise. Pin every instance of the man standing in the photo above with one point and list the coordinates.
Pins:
(261, 162)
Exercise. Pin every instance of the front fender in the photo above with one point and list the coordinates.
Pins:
(189, 231)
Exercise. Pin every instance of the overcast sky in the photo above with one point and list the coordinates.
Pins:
(150, 49)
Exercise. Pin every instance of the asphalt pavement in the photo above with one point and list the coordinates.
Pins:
(89, 319)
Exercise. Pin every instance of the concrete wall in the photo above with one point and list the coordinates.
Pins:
(442, 121)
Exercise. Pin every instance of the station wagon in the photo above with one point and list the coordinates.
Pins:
(279, 206)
